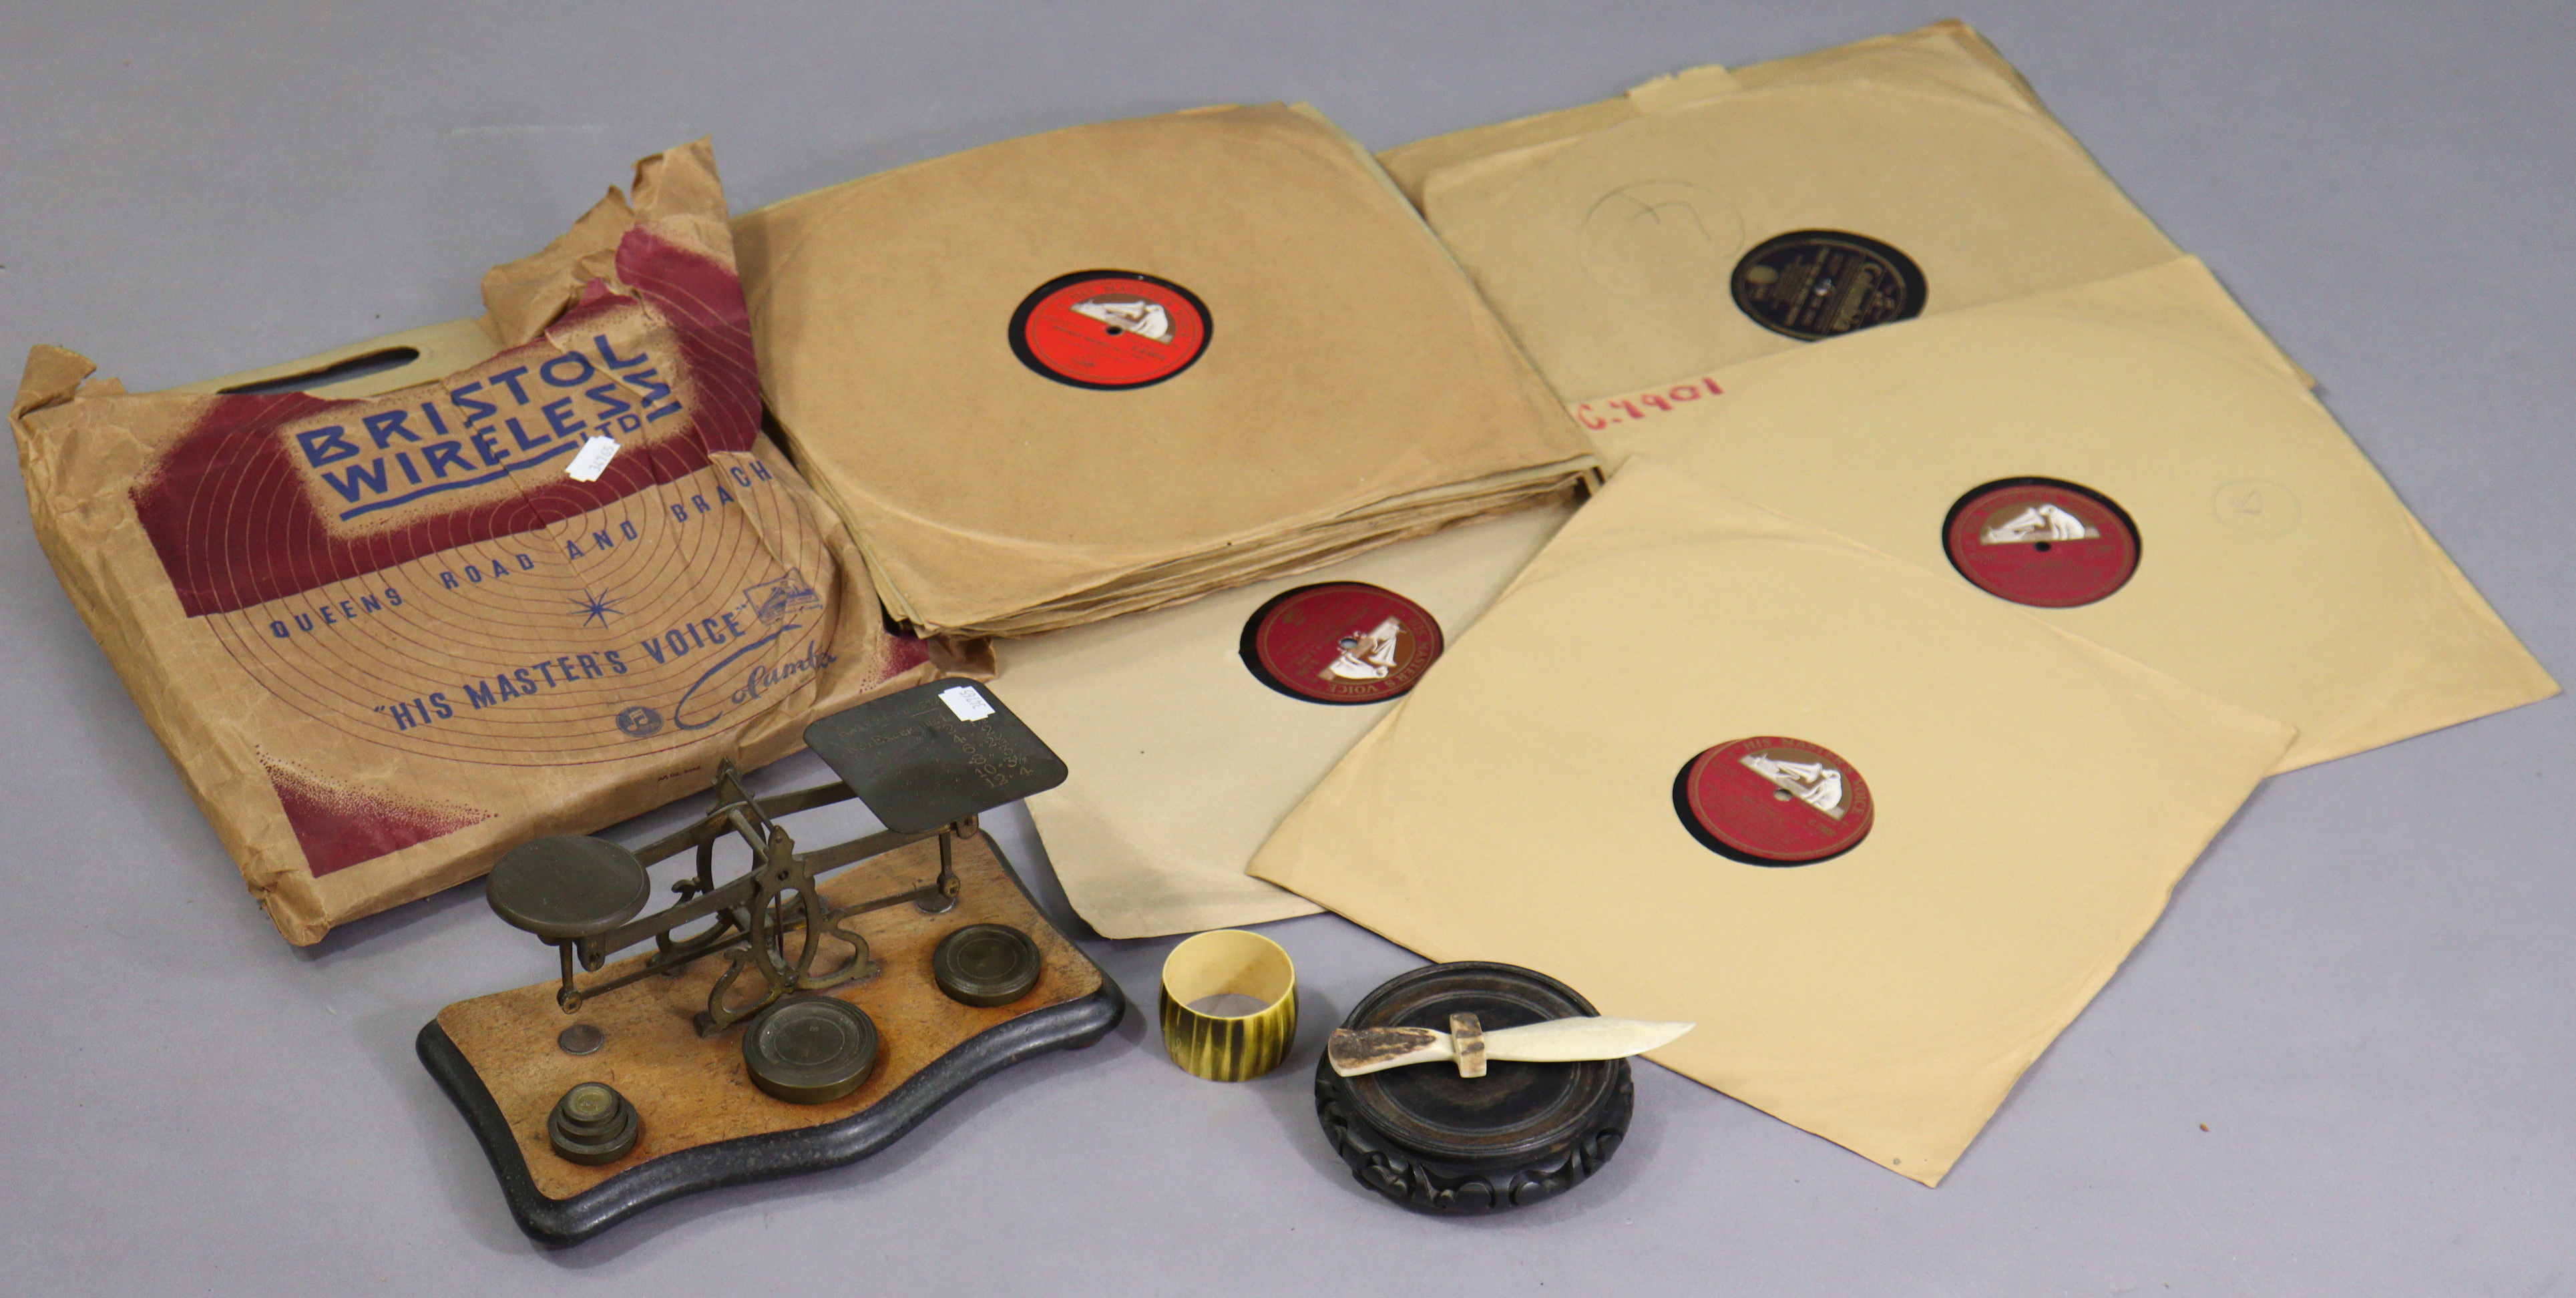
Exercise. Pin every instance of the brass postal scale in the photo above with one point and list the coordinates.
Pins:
(780, 1021)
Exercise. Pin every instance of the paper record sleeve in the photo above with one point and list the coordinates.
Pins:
(1159, 710)
(1639, 252)
(2202, 512)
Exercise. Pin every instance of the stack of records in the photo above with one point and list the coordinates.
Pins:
(1881, 289)
(2033, 556)
(1116, 367)
(2045, 352)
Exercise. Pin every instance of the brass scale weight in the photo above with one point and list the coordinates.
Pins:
(927, 761)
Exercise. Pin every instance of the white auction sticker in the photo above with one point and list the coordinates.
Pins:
(966, 703)
(592, 459)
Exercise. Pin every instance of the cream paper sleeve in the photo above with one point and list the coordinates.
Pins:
(1183, 762)
(2276, 569)
(2036, 799)
(1944, 55)
(1616, 252)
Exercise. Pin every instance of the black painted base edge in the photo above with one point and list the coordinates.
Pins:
(556, 1222)
(1458, 1190)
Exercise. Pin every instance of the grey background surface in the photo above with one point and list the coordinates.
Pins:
(2362, 991)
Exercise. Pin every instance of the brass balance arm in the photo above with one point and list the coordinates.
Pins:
(926, 760)
(595, 951)
(748, 918)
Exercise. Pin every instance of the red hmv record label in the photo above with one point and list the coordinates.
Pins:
(2041, 542)
(1110, 329)
(1774, 801)
(1340, 642)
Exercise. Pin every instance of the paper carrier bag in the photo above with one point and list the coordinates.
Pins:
(386, 637)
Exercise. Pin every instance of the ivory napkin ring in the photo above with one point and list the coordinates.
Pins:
(1229, 1047)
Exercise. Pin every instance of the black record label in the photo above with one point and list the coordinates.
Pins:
(1110, 329)
(1811, 284)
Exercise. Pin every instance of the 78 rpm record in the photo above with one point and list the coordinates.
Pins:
(1759, 220)
(2143, 479)
(1811, 284)
(1110, 329)
(2041, 542)
(1774, 800)
(1340, 642)
(2028, 801)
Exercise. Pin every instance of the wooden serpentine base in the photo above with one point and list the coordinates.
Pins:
(704, 1124)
